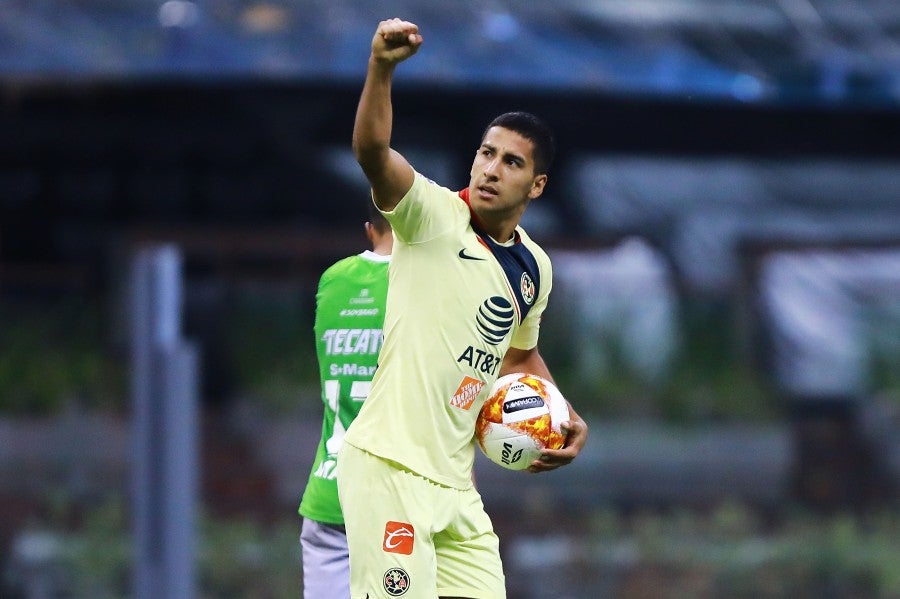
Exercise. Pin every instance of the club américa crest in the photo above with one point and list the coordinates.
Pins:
(396, 582)
(526, 284)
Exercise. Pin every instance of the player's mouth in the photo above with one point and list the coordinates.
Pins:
(486, 192)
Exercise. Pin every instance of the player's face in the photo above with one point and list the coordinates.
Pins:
(502, 178)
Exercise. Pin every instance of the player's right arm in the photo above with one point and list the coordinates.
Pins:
(389, 174)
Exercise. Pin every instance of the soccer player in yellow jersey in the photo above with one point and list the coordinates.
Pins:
(467, 287)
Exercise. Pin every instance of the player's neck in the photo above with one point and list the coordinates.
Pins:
(502, 233)
(384, 245)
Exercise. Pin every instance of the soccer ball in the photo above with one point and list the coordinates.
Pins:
(520, 417)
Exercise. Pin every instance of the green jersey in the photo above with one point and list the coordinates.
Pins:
(350, 305)
(458, 300)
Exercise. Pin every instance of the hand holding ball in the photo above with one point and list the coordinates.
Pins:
(521, 417)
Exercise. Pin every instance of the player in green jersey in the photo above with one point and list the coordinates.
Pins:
(468, 287)
(350, 304)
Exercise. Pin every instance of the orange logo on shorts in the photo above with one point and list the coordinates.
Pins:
(398, 537)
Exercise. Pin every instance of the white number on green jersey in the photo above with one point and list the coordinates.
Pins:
(359, 390)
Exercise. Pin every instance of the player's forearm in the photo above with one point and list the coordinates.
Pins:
(374, 119)
(529, 361)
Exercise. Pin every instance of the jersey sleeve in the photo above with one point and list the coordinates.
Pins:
(526, 336)
(425, 212)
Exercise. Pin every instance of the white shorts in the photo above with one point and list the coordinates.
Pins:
(326, 561)
(413, 538)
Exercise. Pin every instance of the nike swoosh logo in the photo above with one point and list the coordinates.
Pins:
(465, 256)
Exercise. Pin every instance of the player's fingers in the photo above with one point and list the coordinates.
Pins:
(558, 456)
(397, 30)
(576, 433)
(542, 466)
(552, 459)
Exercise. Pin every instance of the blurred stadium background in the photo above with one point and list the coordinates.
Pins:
(724, 219)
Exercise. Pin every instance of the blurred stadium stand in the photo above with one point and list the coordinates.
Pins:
(832, 52)
(84, 165)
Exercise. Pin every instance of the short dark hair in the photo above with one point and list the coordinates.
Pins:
(532, 128)
(377, 219)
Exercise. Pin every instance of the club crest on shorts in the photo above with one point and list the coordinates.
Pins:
(396, 582)
(399, 537)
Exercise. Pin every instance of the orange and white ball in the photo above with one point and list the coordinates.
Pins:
(520, 417)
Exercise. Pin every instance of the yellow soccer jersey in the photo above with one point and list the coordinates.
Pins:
(456, 302)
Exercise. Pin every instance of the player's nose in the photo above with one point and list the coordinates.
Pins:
(492, 168)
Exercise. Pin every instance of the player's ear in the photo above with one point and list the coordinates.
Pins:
(537, 186)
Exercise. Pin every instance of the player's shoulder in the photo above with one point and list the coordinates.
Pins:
(427, 211)
(533, 246)
(341, 265)
(344, 268)
(367, 261)
(425, 186)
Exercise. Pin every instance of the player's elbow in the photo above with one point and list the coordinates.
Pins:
(359, 150)
(371, 157)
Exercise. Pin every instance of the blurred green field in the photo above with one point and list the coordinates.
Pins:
(62, 352)
(729, 551)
